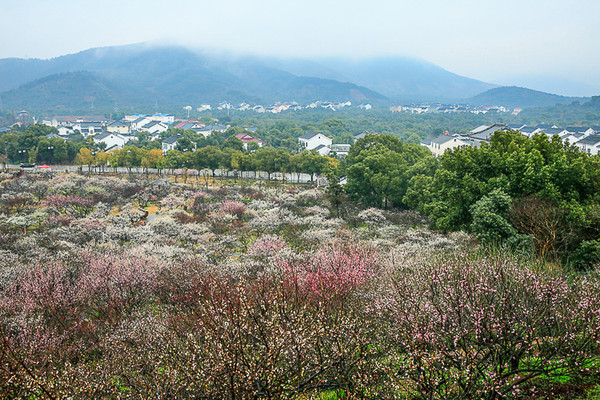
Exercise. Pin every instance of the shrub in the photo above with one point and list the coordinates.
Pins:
(489, 218)
(586, 256)
(234, 208)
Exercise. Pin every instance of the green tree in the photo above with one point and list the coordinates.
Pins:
(490, 223)
(233, 143)
(379, 169)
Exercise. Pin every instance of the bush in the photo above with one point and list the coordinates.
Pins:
(489, 218)
(586, 256)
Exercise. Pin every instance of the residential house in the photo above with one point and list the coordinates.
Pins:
(322, 149)
(121, 127)
(131, 118)
(164, 118)
(439, 145)
(553, 131)
(154, 127)
(340, 149)
(112, 140)
(88, 128)
(312, 140)
(138, 123)
(589, 144)
(64, 130)
(572, 137)
(50, 136)
(541, 127)
(362, 135)
(209, 129)
(580, 129)
(483, 133)
(528, 130)
(515, 127)
(69, 120)
(246, 138)
(170, 143)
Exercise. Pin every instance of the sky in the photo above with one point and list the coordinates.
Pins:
(547, 45)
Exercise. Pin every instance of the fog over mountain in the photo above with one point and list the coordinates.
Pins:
(144, 74)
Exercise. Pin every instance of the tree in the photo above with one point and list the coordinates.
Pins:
(208, 157)
(335, 192)
(490, 223)
(85, 157)
(379, 170)
(233, 143)
(184, 144)
(61, 153)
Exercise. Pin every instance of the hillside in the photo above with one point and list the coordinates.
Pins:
(407, 79)
(513, 96)
(140, 75)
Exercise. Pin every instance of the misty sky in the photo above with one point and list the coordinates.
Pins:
(548, 45)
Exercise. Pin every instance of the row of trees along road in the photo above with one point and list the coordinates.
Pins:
(267, 159)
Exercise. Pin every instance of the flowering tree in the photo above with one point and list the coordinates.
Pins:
(74, 205)
(471, 328)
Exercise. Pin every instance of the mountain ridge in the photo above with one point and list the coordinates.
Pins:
(142, 74)
(519, 97)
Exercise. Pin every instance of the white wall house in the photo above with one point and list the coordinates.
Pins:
(164, 118)
(341, 149)
(440, 144)
(312, 140)
(138, 123)
(88, 128)
(208, 129)
(154, 127)
(589, 144)
(170, 143)
(65, 130)
(112, 140)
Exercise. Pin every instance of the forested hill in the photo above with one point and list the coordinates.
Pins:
(518, 97)
(141, 75)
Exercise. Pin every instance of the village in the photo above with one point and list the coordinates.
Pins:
(587, 139)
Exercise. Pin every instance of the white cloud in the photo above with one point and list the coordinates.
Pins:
(475, 38)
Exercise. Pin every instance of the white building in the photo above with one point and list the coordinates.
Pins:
(312, 140)
(589, 144)
(154, 127)
(209, 129)
(65, 130)
(340, 149)
(170, 143)
(164, 118)
(112, 140)
(439, 145)
(138, 123)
